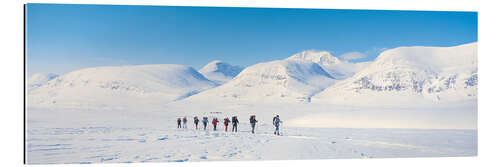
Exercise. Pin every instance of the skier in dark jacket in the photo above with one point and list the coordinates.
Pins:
(178, 122)
(274, 120)
(253, 121)
(196, 120)
(205, 122)
(214, 122)
(226, 123)
(184, 121)
(235, 123)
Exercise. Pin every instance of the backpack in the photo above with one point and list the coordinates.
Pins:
(277, 121)
(252, 119)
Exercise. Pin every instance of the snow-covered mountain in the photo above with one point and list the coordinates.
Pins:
(398, 75)
(294, 80)
(220, 72)
(103, 87)
(38, 79)
(333, 65)
(406, 74)
(320, 57)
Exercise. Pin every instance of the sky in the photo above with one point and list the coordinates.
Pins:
(63, 38)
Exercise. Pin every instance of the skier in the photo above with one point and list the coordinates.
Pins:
(184, 121)
(253, 121)
(214, 122)
(178, 122)
(276, 123)
(196, 120)
(235, 123)
(205, 122)
(226, 123)
(274, 120)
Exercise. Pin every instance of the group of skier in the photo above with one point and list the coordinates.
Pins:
(234, 121)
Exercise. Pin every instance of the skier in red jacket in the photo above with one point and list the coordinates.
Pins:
(214, 122)
(226, 123)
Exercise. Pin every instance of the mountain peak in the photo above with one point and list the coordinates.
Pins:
(275, 80)
(216, 62)
(220, 71)
(320, 57)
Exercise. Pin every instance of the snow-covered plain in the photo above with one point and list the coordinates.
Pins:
(409, 102)
(72, 136)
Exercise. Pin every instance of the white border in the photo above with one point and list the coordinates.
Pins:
(11, 102)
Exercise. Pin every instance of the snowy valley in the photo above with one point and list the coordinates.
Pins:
(409, 102)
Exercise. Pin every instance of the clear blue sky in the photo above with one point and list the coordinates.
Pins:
(63, 38)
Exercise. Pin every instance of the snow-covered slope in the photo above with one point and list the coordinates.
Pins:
(409, 74)
(38, 79)
(320, 57)
(334, 66)
(121, 86)
(277, 80)
(220, 72)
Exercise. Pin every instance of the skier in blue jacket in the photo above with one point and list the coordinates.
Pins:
(205, 122)
(276, 123)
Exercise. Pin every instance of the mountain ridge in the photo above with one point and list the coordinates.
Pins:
(120, 85)
(399, 75)
(434, 73)
(281, 79)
